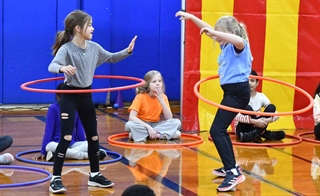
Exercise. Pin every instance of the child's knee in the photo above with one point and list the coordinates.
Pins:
(95, 138)
(176, 122)
(68, 137)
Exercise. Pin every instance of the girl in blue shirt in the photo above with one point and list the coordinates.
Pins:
(234, 69)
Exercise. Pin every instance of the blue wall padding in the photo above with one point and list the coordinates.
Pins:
(29, 29)
(1, 53)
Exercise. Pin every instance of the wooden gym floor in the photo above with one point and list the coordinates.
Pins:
(280, 170)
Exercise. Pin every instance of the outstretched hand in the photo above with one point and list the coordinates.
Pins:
(183, 15)
(131, 45)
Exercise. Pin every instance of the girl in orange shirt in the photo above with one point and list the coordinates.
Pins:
(146, 109)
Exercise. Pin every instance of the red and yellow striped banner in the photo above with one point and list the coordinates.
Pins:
(285, 43)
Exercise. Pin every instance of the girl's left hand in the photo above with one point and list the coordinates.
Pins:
(131, 45)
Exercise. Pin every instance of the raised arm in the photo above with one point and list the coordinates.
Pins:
(233, 39)
(197, 21)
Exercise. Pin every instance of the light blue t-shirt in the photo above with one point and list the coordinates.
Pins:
(234, 67)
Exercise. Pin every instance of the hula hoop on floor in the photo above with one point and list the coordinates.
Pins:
(19, 157)
(265, 144)
(25, 86)
(113, 141)
(307, 139)
(26, 183)
(310, 105)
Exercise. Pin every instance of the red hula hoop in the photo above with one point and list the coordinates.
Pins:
(196, 87)
(308, 139)
(24, 86)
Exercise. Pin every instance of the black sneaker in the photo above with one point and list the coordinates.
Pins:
(231, 180)
(103, 154)
(56, 186)
(273, 135)
(100, 181)
(249, 136)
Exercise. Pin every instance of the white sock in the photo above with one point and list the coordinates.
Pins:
(234, 171)
(93, 174)
(6, 158)
(53, 177)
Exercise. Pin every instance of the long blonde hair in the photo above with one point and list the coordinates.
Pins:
(230, 24)
(147, 78)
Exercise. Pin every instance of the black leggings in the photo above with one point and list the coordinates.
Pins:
(69, 105)
(236, 96)
(244, 127)
(317, 131)
(5, 142)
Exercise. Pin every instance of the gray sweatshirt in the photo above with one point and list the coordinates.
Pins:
(85, 60)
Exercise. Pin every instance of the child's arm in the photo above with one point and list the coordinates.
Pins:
(164, 104)
(197, 21)
(233, 39)
(248, 120)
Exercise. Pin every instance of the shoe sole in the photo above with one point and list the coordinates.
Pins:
(233, 185)
(220, 174)
(90, 183)
(57, 191)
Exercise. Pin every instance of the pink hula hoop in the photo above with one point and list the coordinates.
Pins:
(24, 86)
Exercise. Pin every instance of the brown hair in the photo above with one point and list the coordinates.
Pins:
(75, 18)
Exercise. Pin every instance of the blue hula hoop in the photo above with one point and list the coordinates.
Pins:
(116, 157)
(25, 183)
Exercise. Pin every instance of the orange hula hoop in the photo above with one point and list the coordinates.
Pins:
(196, 87)
(24, 86)
(112, 140)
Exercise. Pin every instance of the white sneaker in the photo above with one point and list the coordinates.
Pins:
(176, 135)
(6, 159)
(49, 156)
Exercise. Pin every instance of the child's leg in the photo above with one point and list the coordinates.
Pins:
(87, 114)
(235, 96)
(317, 131)
(138, 131)
(67, 124)
(5, 142)
(168, 127)
(80, 145)
(51, 146)
(71, 153)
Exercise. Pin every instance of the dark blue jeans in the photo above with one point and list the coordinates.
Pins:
(236, 96)
(5, 142)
